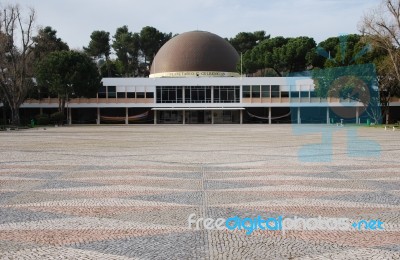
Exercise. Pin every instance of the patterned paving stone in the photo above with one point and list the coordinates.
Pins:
(9, 215)
(217, 185)
(125, 192)
(372, 197)
(184, 246)
(5, 197)
(188, 198)
(59, 184)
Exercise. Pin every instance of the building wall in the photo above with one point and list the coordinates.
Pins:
(132, 100)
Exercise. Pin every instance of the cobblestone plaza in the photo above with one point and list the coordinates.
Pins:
(125, 192)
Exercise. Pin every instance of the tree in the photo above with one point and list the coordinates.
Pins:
(151, 40)
(262, 56)
(388, 84)
(67, 73)
(16, 57)
(46, 42)
(382, 26)
(126, 45)
(245, 41)
(99, 46)
(342, 51)
(281, 55)
(296, 55)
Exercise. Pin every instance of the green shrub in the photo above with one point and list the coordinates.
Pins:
(42, 119)
(57, 118)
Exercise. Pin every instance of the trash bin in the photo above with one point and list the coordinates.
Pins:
(368, 122)
(32, 123)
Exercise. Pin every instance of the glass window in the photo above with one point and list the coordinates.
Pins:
(208, 95)
(216, 93)
(158, 94)
(304, 94)
(285, 94)
(198, 94)
(227, 94)
(265, 91)
(255, 91)
(246, 91)
(294, 94)
(121, 95)
(140, 95)
(130, 94)
(275, 88)
(275, 91)
(102, 93)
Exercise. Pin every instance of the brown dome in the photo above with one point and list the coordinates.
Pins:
(202, 53)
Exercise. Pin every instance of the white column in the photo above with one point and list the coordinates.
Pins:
(69, 116)
(298, 116)
(98, 116)
(327, 116)
(269, 115)
(155, 117)
(241, 117)
(386, 117)
(126, 116)
(184, 117)
(212, 117)
(357, 115)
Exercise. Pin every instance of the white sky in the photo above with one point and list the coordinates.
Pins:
(75, 20)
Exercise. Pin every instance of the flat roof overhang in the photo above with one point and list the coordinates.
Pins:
(196, 108)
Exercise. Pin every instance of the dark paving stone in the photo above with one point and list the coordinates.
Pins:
(93, 168)
(332, 175)
(189, 245)
(370, 197)
(393, 248)
(40, 175)
(6, 196)
(9, 215)
(61, 184)
(216, 185)
(180, 175)
(226, 212)
(191, 198)
(384, 185)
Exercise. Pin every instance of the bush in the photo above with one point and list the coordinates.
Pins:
(42, 119)
(57, 117)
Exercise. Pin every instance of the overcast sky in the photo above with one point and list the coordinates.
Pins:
(75, 20)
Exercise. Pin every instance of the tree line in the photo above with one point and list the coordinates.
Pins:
(33, 63)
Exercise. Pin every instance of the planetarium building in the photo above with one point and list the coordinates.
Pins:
(194, 80)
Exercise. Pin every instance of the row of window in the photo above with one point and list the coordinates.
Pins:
(273, 91)
(203, 94)
(126, 94)
(198, 94)
(257, 91)
(111, 92)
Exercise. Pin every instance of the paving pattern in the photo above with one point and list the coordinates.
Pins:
(125, 192)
